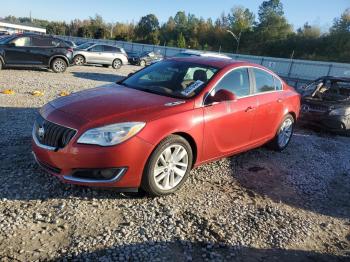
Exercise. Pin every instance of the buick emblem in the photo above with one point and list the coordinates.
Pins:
(305, 108)
(41, 132)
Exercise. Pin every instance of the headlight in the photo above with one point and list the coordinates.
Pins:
(112, 134)
(340, 112)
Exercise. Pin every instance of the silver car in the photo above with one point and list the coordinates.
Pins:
(106, 55)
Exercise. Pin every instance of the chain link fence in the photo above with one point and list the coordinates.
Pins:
(295, 72)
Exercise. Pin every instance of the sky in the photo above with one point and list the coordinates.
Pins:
(316, 12)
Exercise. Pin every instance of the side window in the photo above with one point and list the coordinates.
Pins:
(22, 41)
(237, 81)
(97, 48)
(278, 84)
(108, 48)
(264, 81)
(41, 41)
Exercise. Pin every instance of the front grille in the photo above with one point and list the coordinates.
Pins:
(51, 134)
(317, 108)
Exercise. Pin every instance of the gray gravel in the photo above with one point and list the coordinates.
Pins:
(257, 206)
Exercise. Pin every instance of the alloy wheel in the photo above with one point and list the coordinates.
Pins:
(79, 60)
(117, 64)
(285, 132)
(171, 167)
(59, 65)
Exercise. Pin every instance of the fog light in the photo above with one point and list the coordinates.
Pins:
(108, 173)
(98, 174)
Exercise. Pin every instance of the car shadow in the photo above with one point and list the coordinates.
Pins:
(102, 77)
(180, 250)
(318, 181)
(295, 176)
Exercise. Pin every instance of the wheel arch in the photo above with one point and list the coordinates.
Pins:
(58, 56)
(192, 143)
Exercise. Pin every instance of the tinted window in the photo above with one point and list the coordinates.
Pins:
(237, 82)
(108, 48)
(41, 41)
(22, 41)
(264, 81)
(97, 48)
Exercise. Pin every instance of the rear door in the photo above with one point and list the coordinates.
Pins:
(109, 53)
(41, 49)
(268, 91)
(228, 125)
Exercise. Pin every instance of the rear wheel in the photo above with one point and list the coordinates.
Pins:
(117, 63)
(58, 65)
(79, 60)
(168, 167)
(284, 134)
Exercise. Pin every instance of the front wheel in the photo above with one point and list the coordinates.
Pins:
(168, 167)
(117, 63)
(58, 65)
(284, 134)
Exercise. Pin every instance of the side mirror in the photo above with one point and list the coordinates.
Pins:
(221, 96)
(11, 44)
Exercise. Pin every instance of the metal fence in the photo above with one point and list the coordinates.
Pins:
(295, 72)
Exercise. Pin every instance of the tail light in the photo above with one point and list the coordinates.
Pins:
(70, 49)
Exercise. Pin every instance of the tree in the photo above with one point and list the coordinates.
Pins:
(241, 19)
(147, 29)
(181, 41)
(342, 24)
(308, 31)
(272, 23)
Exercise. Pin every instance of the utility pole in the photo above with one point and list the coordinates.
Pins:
(237, 38)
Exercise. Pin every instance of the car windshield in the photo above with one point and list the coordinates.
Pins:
(172, 78)
(84, 46)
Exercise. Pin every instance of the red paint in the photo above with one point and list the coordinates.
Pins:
(219, 130)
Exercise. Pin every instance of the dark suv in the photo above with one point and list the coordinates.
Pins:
(32, 50)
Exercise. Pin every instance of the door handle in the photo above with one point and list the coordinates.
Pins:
(250, 108)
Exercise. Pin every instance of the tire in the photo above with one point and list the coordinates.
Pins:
(117, 63)
(173, 173)
(284, 134)
(143, 63)
(58, 65)
(79, 60)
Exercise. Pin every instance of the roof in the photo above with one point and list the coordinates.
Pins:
(211, 61)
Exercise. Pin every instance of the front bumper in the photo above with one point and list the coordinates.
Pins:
(332, 123)
(129, 158)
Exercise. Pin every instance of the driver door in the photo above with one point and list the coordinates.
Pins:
(228, 125)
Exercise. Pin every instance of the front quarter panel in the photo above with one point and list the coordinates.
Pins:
(189, 122)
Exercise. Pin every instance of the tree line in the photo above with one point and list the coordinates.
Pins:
(267, 34)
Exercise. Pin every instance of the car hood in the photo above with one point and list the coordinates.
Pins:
(110, 104)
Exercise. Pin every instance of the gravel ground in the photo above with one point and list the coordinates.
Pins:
(257, 206)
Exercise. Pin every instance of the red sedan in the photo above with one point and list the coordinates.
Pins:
(152, 128)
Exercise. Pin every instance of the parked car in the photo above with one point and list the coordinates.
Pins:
(190, 53)
(106, 55)
(144, 58)
(70, 43)
(326, 104)
(150, 129)
(34, 50)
